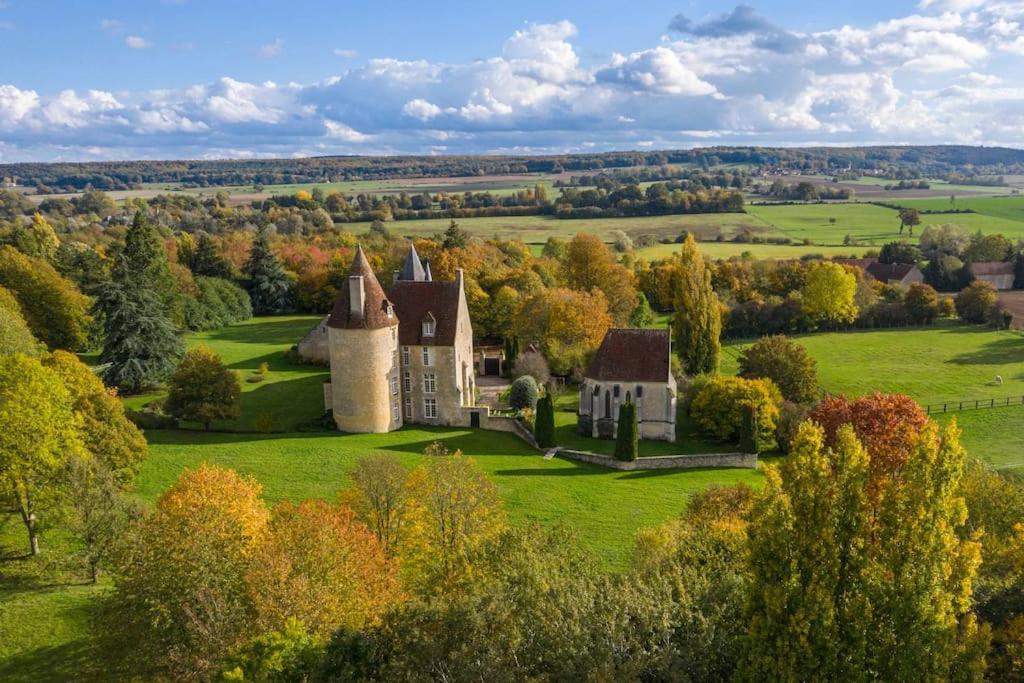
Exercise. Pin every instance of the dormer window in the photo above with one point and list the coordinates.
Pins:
(429, 324)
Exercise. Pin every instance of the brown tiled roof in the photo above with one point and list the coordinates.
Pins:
(887, 272)
(375, 311)
(414, 301)
(631, 356)
(992, 268)
(862, 263)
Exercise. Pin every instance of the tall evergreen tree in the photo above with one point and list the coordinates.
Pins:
(627, 444)
(544, 422)
(141, 345)
(207, 259)
(697, 320)
(143, 264)
(267, 282)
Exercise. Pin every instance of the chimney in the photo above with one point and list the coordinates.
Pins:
(356, 296)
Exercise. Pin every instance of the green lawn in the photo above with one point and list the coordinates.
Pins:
(944, 363)
(870, 224)
(291, 393)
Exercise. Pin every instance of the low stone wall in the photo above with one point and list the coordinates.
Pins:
(495, 423)
(665, 462)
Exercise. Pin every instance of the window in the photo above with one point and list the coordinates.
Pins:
(430, 408)
(394, 330)
(639, 391)
(405, 355)
(428, 356)
(408, 407)
(407, 382)
(394, 385)
(394, 410)
(429, 383)
(428, 327)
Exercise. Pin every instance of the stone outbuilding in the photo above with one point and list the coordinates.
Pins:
(900, 274)
(630, 365)
(997, 273)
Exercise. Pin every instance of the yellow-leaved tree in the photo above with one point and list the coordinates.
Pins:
(39, 437)
(841, 586)
(828, 294)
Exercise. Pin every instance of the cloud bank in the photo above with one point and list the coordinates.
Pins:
(950, 73)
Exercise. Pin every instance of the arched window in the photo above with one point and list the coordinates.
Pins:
(607, 403)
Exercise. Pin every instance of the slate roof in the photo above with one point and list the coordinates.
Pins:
(375, 310)
(412, 268)
(992, 268)
(889, 272)
(413, 301)
(628, 355)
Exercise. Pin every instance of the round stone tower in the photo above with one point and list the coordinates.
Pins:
(363, 337)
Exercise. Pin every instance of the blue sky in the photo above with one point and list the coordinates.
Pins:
(192, 78)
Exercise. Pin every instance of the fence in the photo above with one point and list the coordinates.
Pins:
(973, 404)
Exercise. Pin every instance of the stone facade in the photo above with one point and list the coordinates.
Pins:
(407, 359)
(315, 347)
(635, 366)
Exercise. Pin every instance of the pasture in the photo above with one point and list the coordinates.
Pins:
(933, 365)
(727, 250)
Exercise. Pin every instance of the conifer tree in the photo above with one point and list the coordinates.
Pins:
(143, 264)
(266, 279)
(544, 423)
(748, 431)
(627, 444)
(697, 320)
(141, 346)
(207, 259)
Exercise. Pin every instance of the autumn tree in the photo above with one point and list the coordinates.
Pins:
(182, 602)
(786, 363)
(100, 511)
(589, 264)
(204, 389)
(319, 565)
(568, 324)
(828, 295)
(38, 239)
(459, 509)
(107, 434)
(697, 323)
(39, 436)
(719, 406)
(266, 280)
(909, 218)
(840, 586)
(56, 312)
(15, 335)
(976, 301)
(922, 303)
(381, 497)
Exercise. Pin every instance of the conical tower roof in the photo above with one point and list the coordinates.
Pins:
(377, 310)
(412, 268)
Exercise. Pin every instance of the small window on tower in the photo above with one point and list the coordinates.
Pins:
(428, 327)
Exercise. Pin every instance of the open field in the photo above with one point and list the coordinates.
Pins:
(947, 362)
(873, 188)
(1008, 208)
(867, 223)
(291, 392)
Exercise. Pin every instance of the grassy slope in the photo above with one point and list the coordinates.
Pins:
(725, 250)
(291, 392)
(944, 363)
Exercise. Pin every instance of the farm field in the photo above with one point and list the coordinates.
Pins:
(867, 223)
(727, 250)
(1009, 208)
(944, 363)
(873, 188)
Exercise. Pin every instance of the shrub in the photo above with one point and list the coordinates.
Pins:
(718, 407)
(523, 393)
(531, 363)
(975, 302)
(790, 416)
(627, 444)
(544, 426)
(787, 364)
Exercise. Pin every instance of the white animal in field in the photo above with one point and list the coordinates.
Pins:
(999, 380)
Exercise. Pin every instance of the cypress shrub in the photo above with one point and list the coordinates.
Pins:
(748, 429)
(544, 423)
(627, 444)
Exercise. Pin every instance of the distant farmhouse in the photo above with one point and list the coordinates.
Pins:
(635, 366)
(900, 274)
(397, 358)
(997, 273)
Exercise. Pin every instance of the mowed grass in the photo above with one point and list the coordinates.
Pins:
(867, 223)
(942, 364)
(291, 394)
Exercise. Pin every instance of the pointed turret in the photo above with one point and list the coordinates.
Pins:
(426, 271)
(412, 269)
(361, 303)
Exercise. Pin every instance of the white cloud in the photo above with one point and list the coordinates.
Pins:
(137, 42)
(658, 70)
(421, 109)
(271, 49)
